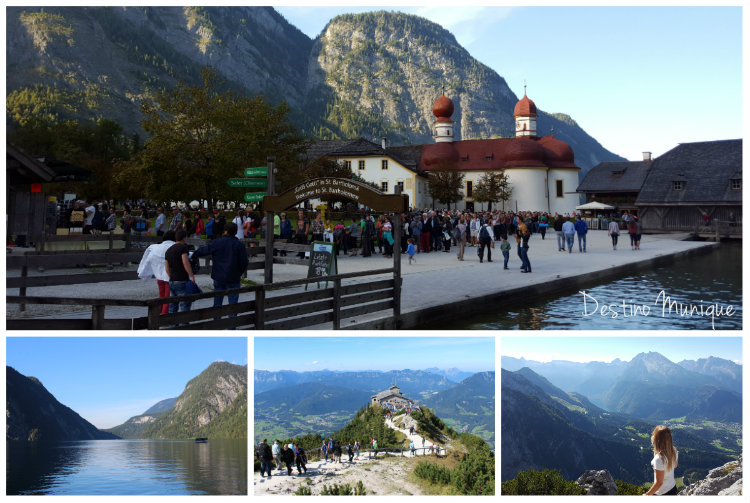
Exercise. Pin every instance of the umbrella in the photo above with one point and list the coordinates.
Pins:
(595, 206)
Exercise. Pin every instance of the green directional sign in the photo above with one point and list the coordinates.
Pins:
(260, 171)
(247, 182)
(254, 196)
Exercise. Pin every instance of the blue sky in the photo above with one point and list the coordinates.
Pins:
(110, 379)
(635, 78)
(606, 349)
(471, 354)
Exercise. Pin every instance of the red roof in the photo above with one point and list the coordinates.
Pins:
(443, 108)
(498, 153)
(525, 107)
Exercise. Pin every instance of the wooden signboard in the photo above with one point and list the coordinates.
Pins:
(320, 188)
(322, 261)
(76, 222)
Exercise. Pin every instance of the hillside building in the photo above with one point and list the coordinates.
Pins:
(392, 399)
(541, 170)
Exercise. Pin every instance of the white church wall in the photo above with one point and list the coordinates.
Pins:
(570, 199)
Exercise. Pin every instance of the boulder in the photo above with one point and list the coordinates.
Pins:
(726, 480)
(597, 482)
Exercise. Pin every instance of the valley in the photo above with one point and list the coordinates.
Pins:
(547, 427)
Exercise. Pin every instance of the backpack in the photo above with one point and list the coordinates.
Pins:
(195, 264)
(141, 224)
(457, 234)
(483, 234)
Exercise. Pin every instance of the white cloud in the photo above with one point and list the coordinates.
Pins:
(467, 23)
(314, 362)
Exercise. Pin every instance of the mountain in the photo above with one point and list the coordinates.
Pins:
(33, 414)
(371, 75)
(133, 427)
(454, 374)
(726, 372)
(311, 398)
(469, 407)
(161, 406)
(413, 383)
(543, 427)
(653, 387)
(592, 379)
(213, 404)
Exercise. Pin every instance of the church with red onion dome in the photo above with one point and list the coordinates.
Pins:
(541, 170)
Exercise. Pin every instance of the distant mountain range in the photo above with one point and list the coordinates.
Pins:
(369, 75)
(545, 427)
(414, 383)
(291, 403)
(650, 386)
(33, 414)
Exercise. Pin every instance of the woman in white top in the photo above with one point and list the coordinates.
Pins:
(664, 463)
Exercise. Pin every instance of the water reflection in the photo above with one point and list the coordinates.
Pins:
(125, 467)
(704, 281)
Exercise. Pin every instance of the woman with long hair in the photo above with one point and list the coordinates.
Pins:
(664, 463)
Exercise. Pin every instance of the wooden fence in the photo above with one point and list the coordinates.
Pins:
(261, 312)
(335, 302)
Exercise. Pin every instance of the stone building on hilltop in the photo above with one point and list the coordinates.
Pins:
(393, 399)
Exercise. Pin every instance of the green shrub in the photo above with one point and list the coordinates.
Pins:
(436, 474)
(303, 491)
(344, 490)
(475, 473)
(628, 489)
(546, 482)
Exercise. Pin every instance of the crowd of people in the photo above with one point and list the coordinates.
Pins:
(367, 234)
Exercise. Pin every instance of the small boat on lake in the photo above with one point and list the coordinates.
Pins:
(201, 440)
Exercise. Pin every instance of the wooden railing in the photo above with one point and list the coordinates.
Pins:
(262, 312)
(718, 229)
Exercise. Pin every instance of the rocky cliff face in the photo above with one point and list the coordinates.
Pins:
(33, 414)
(217, 396)
(375, 74)
(726, 480)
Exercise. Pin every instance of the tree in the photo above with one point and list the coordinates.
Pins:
(201, 137)
(446, 183)
(492, 187)
(95, 146)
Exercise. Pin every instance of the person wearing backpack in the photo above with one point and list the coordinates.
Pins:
(97, 222)
(614, 232)
(200, 227)
(485, 241)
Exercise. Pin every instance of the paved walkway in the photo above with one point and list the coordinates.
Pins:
(436, 279)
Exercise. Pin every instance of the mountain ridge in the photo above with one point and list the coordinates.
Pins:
(370, 75)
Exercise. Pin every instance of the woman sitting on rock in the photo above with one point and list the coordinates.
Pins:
(664, 463)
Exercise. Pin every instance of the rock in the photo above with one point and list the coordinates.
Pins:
(726, 480)
(597, 482)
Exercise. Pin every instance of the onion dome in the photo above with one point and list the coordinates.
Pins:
(443, 108)
(557, 150)
(525, 107)
(523, 151)
(434, 155)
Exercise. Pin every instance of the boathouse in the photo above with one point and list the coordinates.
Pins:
(616, 183)
(690, 181)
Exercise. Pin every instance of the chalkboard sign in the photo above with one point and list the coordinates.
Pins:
(322, 261)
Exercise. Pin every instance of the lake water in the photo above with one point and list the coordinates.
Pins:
(711, 281)
(127, 467)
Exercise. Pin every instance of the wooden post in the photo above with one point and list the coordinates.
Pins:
(270, 190)
(260, 300)
(154, 312)
(397, 269)
(336, 305)
(22, 290)
(97, 317)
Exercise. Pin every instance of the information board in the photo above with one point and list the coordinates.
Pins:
(322, 261)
